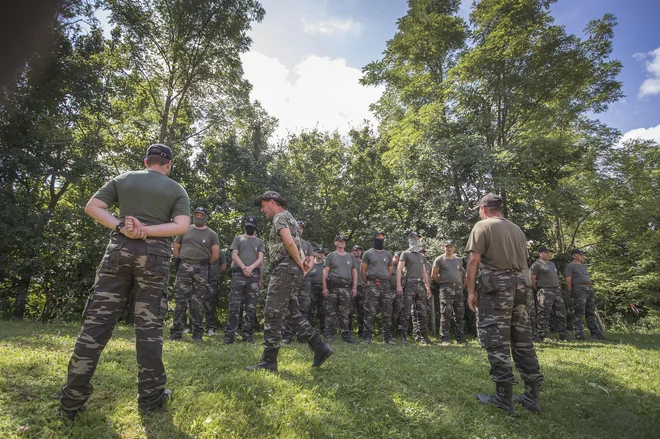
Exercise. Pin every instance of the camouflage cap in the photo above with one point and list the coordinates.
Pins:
(413, 234)
(490, 201)
(340, 237)
(356, 247)
(320, 250)
(270, 195)
(450, 242)
(159, 150)
(379, 232)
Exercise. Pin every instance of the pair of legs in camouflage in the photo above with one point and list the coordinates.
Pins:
(584, 304)
(317, 307)
(337, 309)
(244, 291)
(504, 328)
(357, 307)
(379, 295)
(190, 288)
(139, 267)
(547, 298)
(452, 306)
(281, 303)
(304, 301)
(415, 301)
(397, 309)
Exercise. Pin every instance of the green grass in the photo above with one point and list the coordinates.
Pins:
(591, 390)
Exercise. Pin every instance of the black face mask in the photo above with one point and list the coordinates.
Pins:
(250, 230)
(199, 222)
(378, 243)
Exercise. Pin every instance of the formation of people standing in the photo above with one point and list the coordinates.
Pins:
(312, 292)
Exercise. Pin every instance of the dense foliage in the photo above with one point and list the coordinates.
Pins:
(506, 101)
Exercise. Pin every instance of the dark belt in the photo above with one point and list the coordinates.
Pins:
(318, 284)
(339, 284)
(584, 285)
(203, 262)
(451, 284)
(380, 279)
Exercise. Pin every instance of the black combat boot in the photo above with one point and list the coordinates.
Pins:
(503, 397)
(367, 338)
(167, 394)
(531, 399)
(598, 336)
(321, 350)
(268, 360)
(350, 340)
(286, 340)
(404, 340)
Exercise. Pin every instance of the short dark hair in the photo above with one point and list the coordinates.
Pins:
(271, 195)
(157, 160)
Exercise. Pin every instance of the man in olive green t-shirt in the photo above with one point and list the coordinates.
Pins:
(545, 280)
(498, 249)
(448, 272)
(195, 251)
(376, 269)
(580, 287)
(152, 208)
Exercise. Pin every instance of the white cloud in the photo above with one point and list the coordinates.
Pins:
(332, 26)
(652, 133)
(317, 92)
(650, 86)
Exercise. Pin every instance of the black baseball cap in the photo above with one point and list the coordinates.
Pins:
(379, 232)
(270, 195)
(340, 237)
(356, 246)
(251, 221)
(160, 150)
(397, 253)
(450, 242)
(576, 251)
(201, 209)
(413, 234)
(491, 201)
(320, 250)
(301, 223)
(545, 249)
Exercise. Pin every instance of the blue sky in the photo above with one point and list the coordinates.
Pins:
(307, 55)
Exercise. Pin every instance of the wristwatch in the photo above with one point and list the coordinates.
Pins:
(119, 226)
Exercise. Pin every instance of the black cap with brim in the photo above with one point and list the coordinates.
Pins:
(159, 150)
(356, 247)
(251, 221)
(301, 223)
(576, 251)
(490, 201)
(413, 234)
(202, 210)
(450, 242)
(270, 195)
(545, 249)
(378, 232)
(320, 250)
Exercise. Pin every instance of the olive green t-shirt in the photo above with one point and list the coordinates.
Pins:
(414, 264)
(579, 274)
(277, 250)
(214, 269)
(248, 248)
(147, 195)
(501, 244)
(196, 244)
(316, 273)
(307, 248)
(378, 263)
(546, 274)
(449, 269)
(341, 267)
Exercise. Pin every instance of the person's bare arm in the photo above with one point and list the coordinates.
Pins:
(237, 259)
(98, 210)
(428, 284)
(472, 267)
(363, 271)
(434, 274)
(292, 249)
(399, 274)
(533, 277)
(324, 280)
(569, 284)
(215, 253)
(355, 281)
(176, 249)
(179, 226)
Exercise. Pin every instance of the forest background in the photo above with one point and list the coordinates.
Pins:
(504, 102)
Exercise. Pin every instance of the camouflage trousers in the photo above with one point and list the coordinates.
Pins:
(211, 305)
(317, 307)
(190, 288)
(337, 309)
(584, 304)
(357, 307)
(547, 298)
(245, 292)
(397, 308)
(415, 302)
(140, 267)
(452, 306)
(304, 301)
(282, 296)
(380, 296)
(504, 327)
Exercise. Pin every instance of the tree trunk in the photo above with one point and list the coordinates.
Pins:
(21, 289)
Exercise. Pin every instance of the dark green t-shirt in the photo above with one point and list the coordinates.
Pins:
(378, 263)
(341, 267)
(307, 248)
(147, 195)
(578, 272)
(196, 244)
(214, 269)
(546, 274)
(248, 248)
(277, 249)
(501, 244)
(414, 264)
(316, 273)
(449, 269)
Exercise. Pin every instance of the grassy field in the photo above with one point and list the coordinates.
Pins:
(591, 390)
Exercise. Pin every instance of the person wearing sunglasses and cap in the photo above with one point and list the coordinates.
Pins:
(195, 252)
(581, 290)
(545, 280)
(152, 208)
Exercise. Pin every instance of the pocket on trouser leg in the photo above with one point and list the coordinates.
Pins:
(111, 258)
(489, 335)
